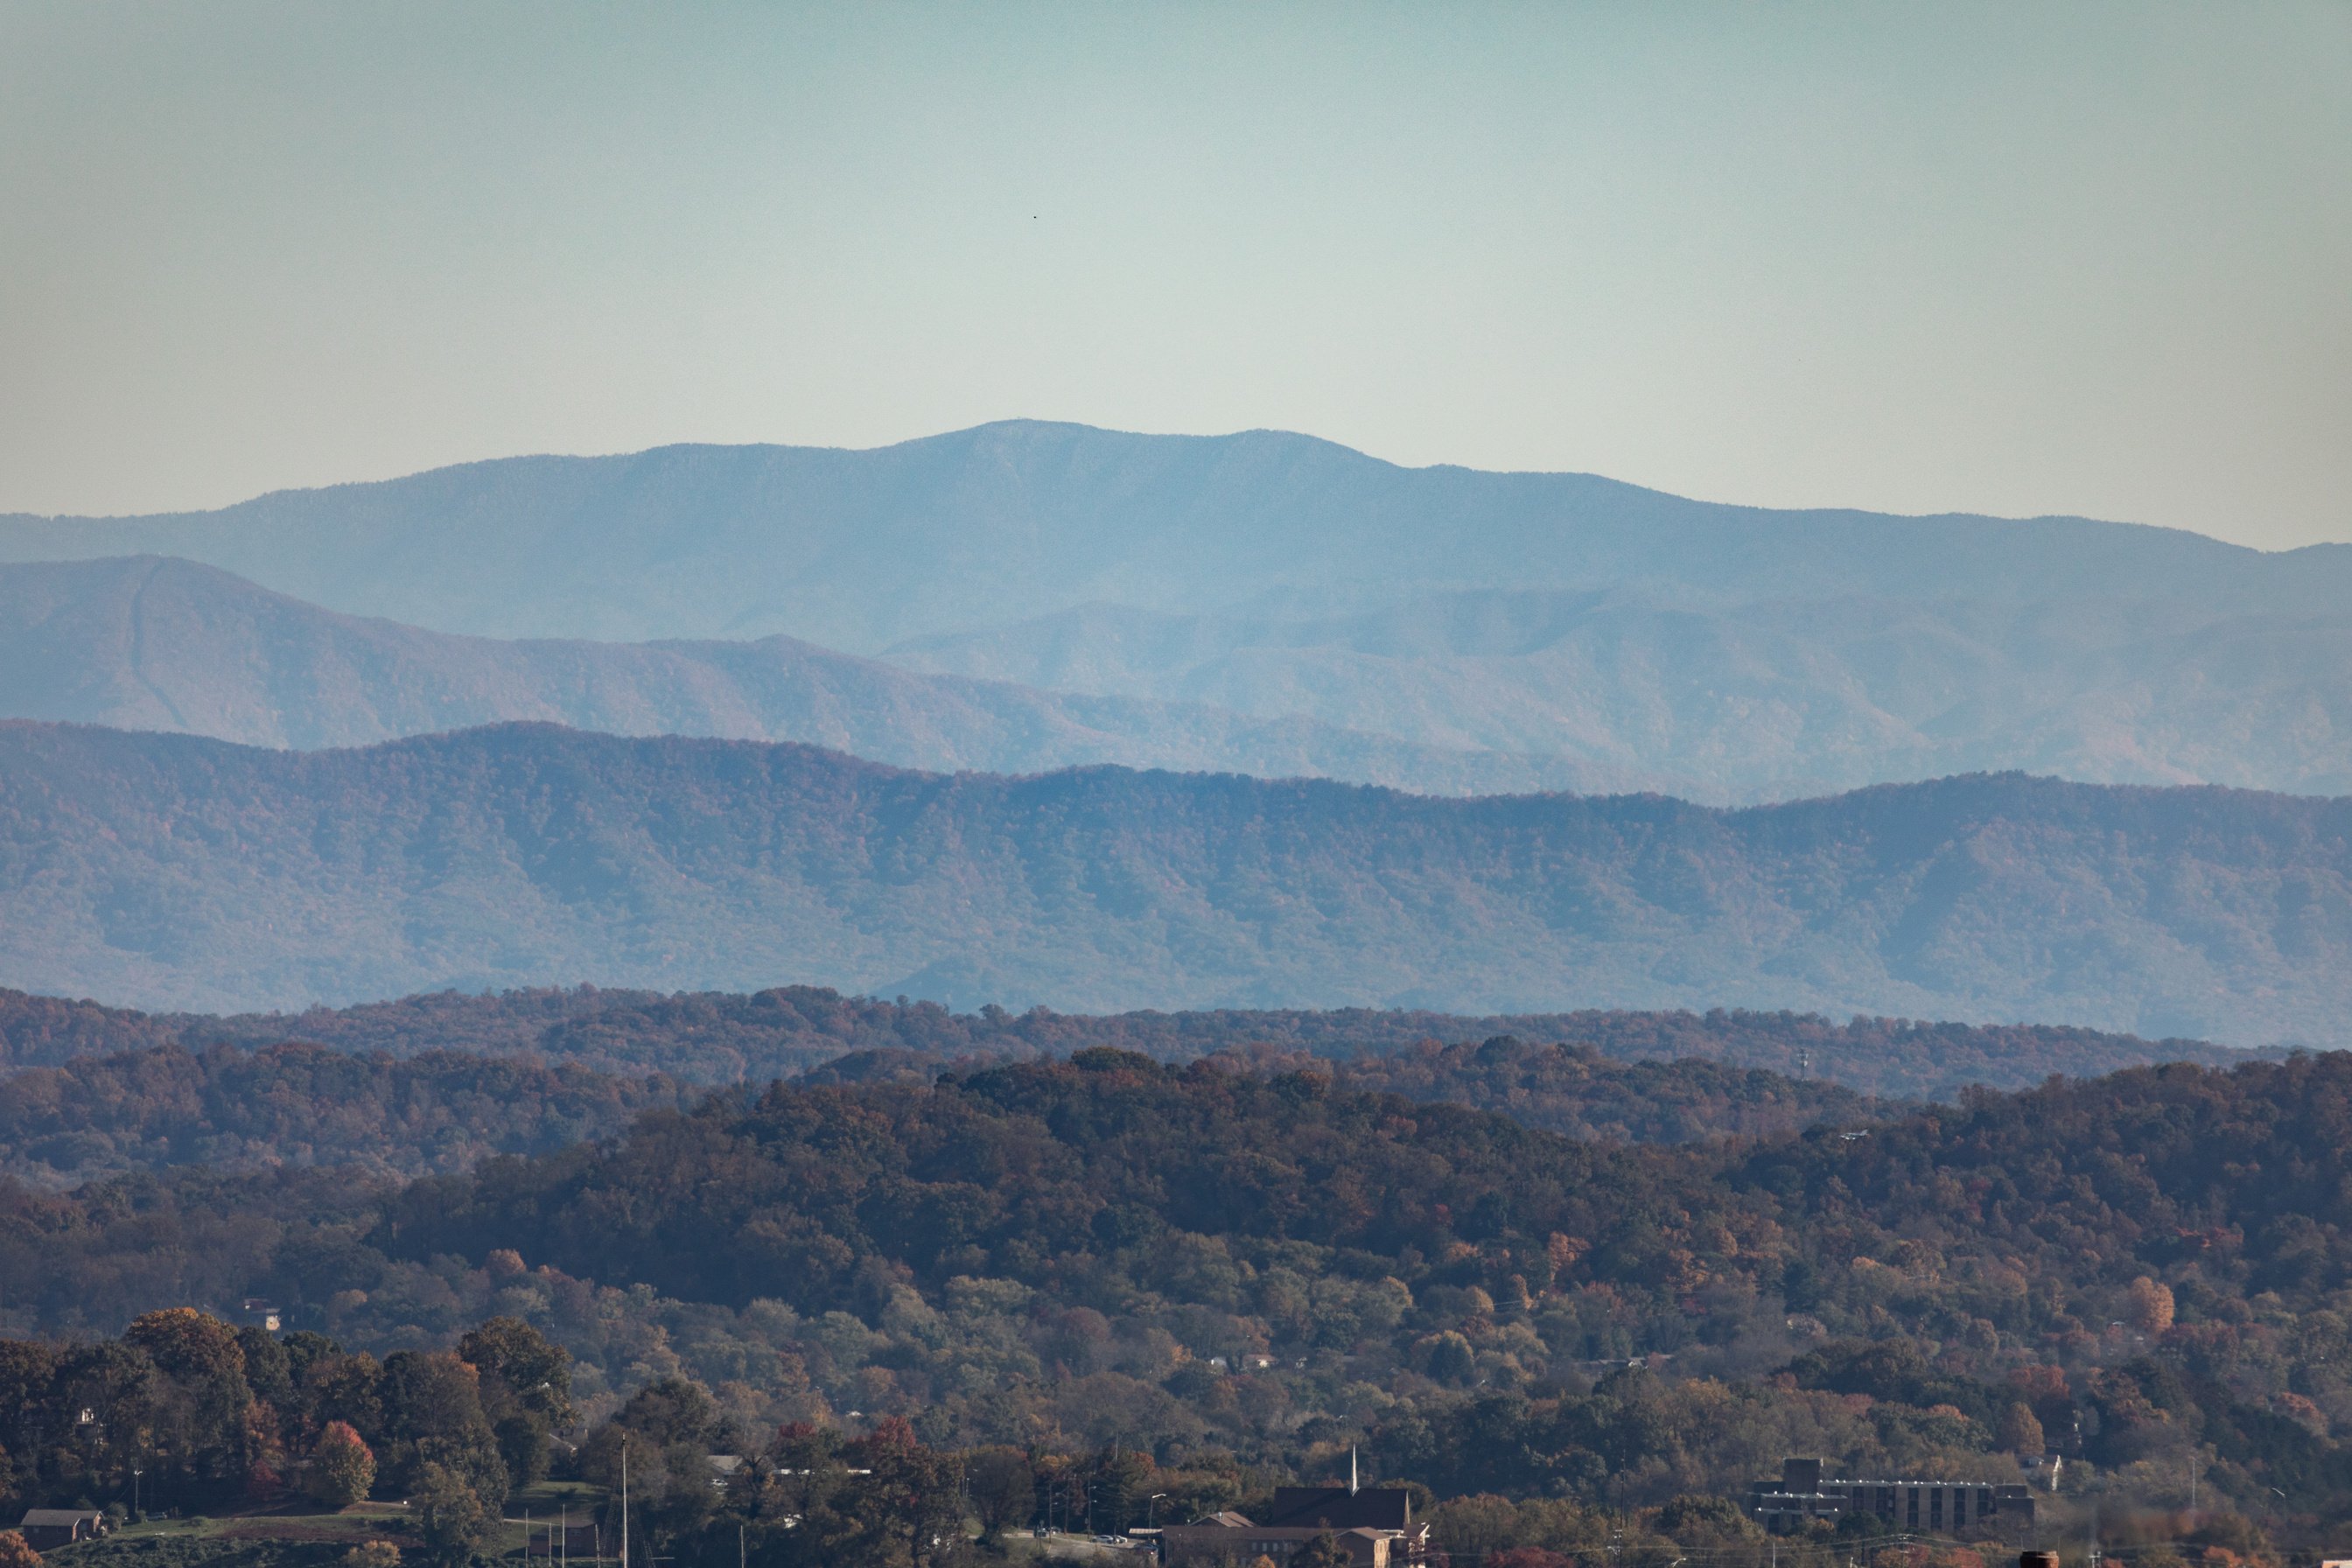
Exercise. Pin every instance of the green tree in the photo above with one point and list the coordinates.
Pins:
(1447, 1356)
(525, 1447)
(450, 1517)
(1121, 1480)
(1697, 1519)
(670, 1410)
(1002, 1488)
(347, 1388)
(432, 1416)
(520, 1365)
(268, 1370)
(187, 1344)
(1323, 1551)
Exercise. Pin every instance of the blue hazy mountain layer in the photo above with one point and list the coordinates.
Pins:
(172, 871)
(861, 550)
(1760, 700)
(146, 643)
(1290, 608)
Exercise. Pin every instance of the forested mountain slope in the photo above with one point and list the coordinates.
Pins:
(305, 1105)
(446, 1110)
(152, 643)
(169, 870)
(2143, 1271)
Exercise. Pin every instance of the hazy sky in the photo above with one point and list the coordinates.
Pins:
(2016, 259)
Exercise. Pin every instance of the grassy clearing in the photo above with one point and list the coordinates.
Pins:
(261, 1540)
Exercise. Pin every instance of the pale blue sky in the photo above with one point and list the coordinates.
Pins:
(2010, 259)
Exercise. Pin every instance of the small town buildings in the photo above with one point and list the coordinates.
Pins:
(1803, 1494)
(43, 1528)
(1376, 1529)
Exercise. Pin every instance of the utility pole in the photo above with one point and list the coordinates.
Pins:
(624, 1503)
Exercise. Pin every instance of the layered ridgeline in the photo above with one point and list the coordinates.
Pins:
(717, 1037)
(1725, 653)
(298, 1105)
(1009, 522)
(1764, 701)
(148, 642)
(171, 871)
(1628, 1076)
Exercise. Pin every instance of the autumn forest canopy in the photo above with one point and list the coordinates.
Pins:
(1566, 1295)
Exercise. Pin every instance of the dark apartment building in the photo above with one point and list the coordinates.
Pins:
(1802, 1493)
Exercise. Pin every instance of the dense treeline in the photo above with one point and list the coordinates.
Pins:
(722, 1037)
(43, 1031)
(2150, 1273)
(2157, 1259)
(443, 1111)
(178, 870)
(185, 1414)
(1572, 1090)
(718, 1037)
(303, 1105)
(1576, 1091)
(446, 1110)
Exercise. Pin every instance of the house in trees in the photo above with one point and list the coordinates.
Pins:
(1375, 1528)
(46, 1527)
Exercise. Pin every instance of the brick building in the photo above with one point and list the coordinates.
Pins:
(1375, 1527)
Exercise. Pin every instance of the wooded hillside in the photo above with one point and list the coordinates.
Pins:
(170, 871)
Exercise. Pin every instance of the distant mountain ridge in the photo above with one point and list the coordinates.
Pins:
(1766, 700)
(1512, 693)
(860, 550)
(1308, 609)
(152, 643)
(170, 871)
